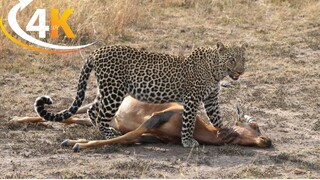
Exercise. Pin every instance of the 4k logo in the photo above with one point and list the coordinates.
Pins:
(40, 15)
(56, 22)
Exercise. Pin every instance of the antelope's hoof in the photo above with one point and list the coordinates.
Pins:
(76, 148)
(14, 121)
(15, 118)
(190, 143)
(65, 143)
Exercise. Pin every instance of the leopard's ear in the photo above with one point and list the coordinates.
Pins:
(245, 45)
(220, 46)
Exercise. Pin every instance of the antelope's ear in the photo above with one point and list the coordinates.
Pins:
(220, 46)
(236, 122)
(245, 45)
(236, 119)
(254, 125)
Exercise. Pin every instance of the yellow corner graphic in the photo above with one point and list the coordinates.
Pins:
(31, 47)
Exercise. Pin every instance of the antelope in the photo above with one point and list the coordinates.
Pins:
(137, 120)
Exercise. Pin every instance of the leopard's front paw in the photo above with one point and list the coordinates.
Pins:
(112, 133)
(190, 142)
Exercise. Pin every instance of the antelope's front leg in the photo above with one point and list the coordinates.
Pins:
(188, 123)
(69, 121)
(28, 120)
(211, 104)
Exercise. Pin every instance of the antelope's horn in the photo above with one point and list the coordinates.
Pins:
(238, 115)
(249, 119)
(239, 112)
(236, 120)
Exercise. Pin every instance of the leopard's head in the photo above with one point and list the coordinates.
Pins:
(233, 58)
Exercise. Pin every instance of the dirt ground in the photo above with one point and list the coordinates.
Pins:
(280, 88)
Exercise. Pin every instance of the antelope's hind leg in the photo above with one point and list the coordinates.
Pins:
(135, 136)
(69, 142)
(129, 138)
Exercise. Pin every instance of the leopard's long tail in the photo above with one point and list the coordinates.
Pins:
(82, 86)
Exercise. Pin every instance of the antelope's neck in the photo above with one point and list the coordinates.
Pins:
(212, 135)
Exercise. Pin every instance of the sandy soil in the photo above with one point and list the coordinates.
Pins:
(280, 88)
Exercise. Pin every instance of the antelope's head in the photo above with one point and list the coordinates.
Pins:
(248, 132)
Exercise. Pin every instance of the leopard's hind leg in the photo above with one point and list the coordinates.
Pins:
(93, 112)
(108, 106)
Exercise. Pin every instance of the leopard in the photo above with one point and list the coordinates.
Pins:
(152, 77)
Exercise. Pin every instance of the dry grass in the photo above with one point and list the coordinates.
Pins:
(102, 22)
(97, 21)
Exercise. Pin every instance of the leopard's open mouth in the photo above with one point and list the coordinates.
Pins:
(234, 76)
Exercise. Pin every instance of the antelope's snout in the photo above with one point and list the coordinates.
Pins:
(249, 135)
(264, 141)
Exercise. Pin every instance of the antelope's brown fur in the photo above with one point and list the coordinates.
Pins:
(135, 119)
